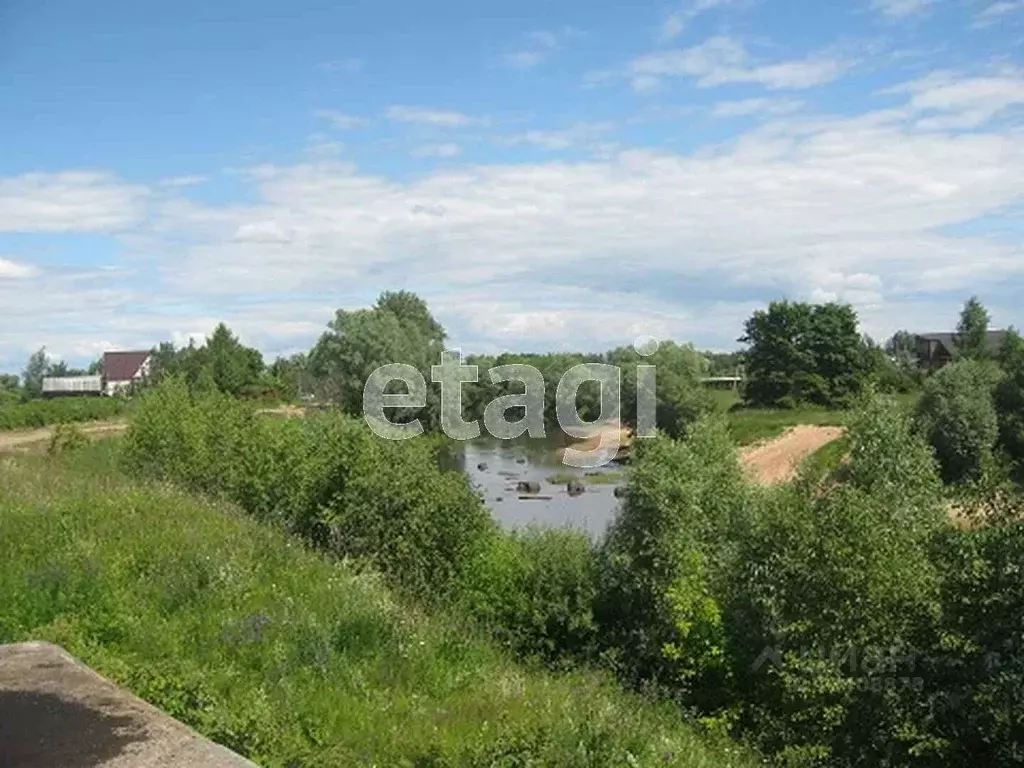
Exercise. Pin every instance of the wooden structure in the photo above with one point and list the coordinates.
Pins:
(72, 386)
(935, 350)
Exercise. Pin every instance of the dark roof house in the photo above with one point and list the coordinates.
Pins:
(121, 369)
(935, 350)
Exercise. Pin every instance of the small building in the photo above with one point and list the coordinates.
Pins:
(72, 386)
(723, 382)
(121, 370)
(935, 350)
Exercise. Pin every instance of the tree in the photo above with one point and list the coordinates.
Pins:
(972, 331)
(1009, 396)
(34, 373)
(399, 329)
(234, 367)
(957, 416)
(804, 353)
(902, 350)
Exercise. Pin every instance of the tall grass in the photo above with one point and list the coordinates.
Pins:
(281, 653)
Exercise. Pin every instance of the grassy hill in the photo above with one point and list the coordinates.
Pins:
(285, 655)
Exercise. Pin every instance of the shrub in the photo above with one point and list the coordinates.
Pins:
(664, 556)
(957, 416)
(833, 585)
(327, 479)
(66, 438)
(1009, 398)
(534, 591)
(42, 413)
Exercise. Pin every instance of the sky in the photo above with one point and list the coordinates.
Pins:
(547, 175)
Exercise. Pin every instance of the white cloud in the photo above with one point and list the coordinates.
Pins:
(446, 149)
(758, 106)
(73, 201)
(566, 138)
(178, 182)
(13, 270)
(341, 120)
(899, 9)
(865, 208)
(675, 23)
(995, 13)
(538, 46)
(426, 116)
(720, 60)
(944, 101)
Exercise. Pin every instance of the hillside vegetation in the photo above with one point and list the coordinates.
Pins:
(282, 654)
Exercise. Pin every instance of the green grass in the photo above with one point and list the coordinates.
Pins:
(752, 425)
(280, 653)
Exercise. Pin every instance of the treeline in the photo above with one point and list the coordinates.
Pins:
(839, 623)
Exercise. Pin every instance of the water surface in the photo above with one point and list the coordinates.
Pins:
(508, 462)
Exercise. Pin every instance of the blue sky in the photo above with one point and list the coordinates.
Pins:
(548, 175)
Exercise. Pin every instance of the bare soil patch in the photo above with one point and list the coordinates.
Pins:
(778, 460)
(24, 439)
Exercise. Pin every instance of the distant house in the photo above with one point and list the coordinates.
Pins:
(123, 369)
(935, 350)
(72, 386)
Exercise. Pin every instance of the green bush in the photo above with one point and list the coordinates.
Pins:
(831, 587)
(957, 416)
(534, 591)
(665, 556)
(1009, 398)
(326, 478)
(42, 413)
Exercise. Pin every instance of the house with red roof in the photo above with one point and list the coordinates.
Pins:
(123, 369)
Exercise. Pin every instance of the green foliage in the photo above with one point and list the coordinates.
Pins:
(325, 478)
(680, 397)
(42, 413)
(1009, 397)
(972, 331)
(66, 438)
(399, 329)
(665, 556)
(829, 586)
(35, 371)
(804, 353)
(977, 665)
(752, 425)
(957, 417)
(284, 655)
(222, 361)
(534, 591)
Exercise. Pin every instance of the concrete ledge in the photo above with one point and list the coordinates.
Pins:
(55, 712)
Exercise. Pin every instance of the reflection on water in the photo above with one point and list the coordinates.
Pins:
(496, 466)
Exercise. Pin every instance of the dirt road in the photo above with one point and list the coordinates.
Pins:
(26, 438)
(777, 461)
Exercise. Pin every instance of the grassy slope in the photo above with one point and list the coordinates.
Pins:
(279, 653)
(751, 425)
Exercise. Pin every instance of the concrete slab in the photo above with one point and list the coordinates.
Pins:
(55, 712)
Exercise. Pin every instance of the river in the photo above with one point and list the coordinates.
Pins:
(496, 466)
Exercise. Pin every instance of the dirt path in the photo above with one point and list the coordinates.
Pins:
(777, 461)
(20, 439)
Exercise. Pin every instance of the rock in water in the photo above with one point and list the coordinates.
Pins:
(528, 486)
(576, 489)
